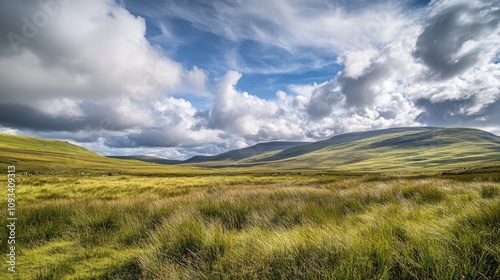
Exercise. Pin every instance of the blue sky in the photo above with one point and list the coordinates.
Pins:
(266, 68)
(176, 78)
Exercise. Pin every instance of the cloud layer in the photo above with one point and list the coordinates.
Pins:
(86, 71)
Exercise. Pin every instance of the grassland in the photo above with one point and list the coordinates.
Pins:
(257, 227)
(151, 221)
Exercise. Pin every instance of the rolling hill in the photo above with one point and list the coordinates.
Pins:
(151, 159)
(419, 149)
(38, 155)
(399, 150)
(256, 151)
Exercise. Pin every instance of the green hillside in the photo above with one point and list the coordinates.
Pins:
(155, 221)
(339, 140)
(38, 155)
(453, 149)
(148, 159)
(256, 151)
(397, 149)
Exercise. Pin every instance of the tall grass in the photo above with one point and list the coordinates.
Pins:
(241, 227)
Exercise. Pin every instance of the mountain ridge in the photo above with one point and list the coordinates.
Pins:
(419, 149)
(402, 148)
(243, 153)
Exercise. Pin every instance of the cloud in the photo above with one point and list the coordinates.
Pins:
(10, 131)
(456, 36)
(299, 35)
(373, 85)
(61, 107)
(172, 122)
(357, 62)
(459, 49)
(323, 100)
(309, 116)
(239, 112)
(87, 50)
(87, 67)
(88, 73)
(24, 117)
(395, 84)
(196, 80)
(288, 24)
(451, 114)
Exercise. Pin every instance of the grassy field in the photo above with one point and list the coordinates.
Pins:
(257, 227)
(84, 216)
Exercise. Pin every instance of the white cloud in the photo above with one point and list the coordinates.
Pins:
(357, 62)
(291, 24)
(61, 107)
(11, 131)
(196, 80)
(176, 123)
(89, 50)
(239, 112)
(91, 75)
(299, 34)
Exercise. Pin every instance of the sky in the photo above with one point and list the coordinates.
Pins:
(177, 78)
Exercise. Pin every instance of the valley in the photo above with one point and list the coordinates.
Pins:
(391, 204)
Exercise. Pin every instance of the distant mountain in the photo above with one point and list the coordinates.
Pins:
(148, 159)
(417, 149)
(401, 150)
(249, 154)
(341, 139)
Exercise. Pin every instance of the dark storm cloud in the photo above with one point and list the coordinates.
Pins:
(119, 142)
(444, 113)
(446, 34)
(156, 138)
(97, 117)
(24, 117)
(448, 113)
(358, 91)
(322, 101)
(21, 23)
(11, 15)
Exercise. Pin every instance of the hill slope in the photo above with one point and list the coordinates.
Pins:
(148, 159)
(341, 139)
(395, 149)
(401, 150)
(32, 154)
(248, 153)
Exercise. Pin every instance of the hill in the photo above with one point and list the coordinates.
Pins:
(341, 139)
(38, 155)
(397, 149)
(249, 153)
(148, 159)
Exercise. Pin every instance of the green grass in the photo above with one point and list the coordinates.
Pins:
(257, 227)
(151, 221)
